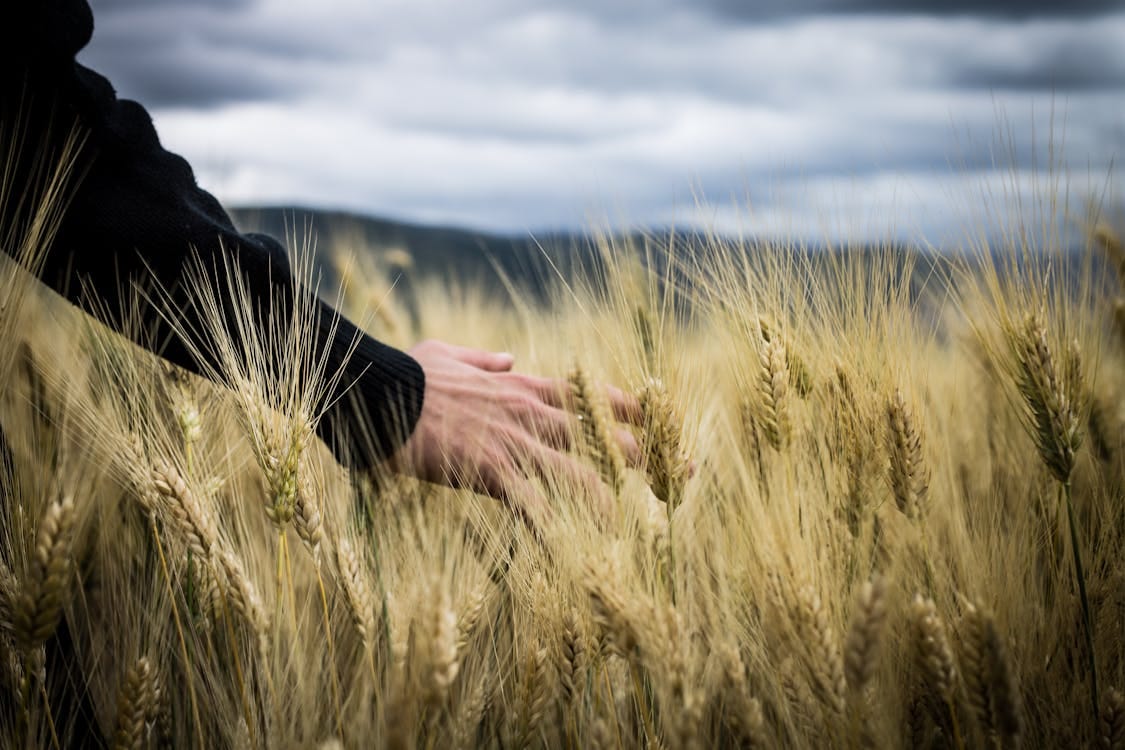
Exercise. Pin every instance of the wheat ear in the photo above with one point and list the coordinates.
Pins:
(470, 711)
(611, 612)
(357, 592)
(1053, 396)
(989, 680)
(908, 475)
(1050, 396)
(597, 429)
(773, 392)
(136, 705)
(243, 594)
(470, 617)
(306, 518)
(800, 377)
(934, 660)
(683, 723)
(535, 696)
(40, 603)
(861, 648)
(1110, 243)
(161, 482)
(190, 515)
(805, 710)
(571, 663)
(825, 660)
(743, 711)
(282, 469)
(861, 651)
(9, 590)
(1113, 721)
(440, 633)
(665, 463)
(41, 599)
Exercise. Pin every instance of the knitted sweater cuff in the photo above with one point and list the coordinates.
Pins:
(378, 400)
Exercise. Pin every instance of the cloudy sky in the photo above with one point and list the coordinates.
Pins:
(792, 116)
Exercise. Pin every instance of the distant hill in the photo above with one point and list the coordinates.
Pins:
(466, 254)
(477, 257)
(435, 250)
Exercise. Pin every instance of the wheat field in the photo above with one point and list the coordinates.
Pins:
(881, 505)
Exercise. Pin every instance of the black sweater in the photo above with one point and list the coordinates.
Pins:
(136, 215)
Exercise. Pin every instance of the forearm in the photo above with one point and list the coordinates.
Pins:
(137, 215)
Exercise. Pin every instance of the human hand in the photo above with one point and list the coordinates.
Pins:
(489, 429)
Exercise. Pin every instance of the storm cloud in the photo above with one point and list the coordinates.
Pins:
(998, 9)
(517, 115)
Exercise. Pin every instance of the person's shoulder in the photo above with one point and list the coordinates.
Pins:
(35, 30)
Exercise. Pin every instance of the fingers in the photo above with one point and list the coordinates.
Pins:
(481, 359)
(626, 408)
(629, 447)
(554, 427)
(509, 477)
(557, 468)
(557, 429)
(556, 393)
(504, 481)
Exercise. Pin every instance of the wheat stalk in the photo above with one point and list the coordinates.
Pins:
(1054, 396)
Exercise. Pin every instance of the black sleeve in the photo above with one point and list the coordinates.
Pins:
(136, 215)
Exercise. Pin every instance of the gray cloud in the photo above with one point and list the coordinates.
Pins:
(1071, 66)
(516, 114)
(1002, 9)
(109, 6)
(175, 54)
(188, 80)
